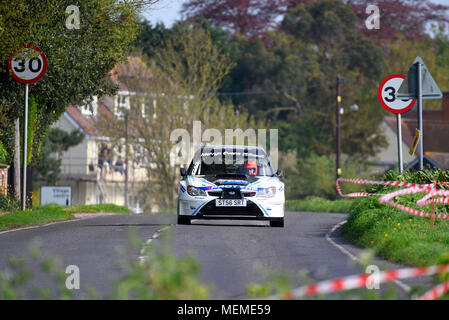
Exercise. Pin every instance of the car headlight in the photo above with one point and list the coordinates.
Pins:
(196, 192)
(267, 192)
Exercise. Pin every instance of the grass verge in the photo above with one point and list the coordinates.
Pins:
(316, 204)
(396, 235)
(95, 208)
(48, 213)
(52, 213)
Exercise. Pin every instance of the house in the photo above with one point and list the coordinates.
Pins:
(435, 135)
(95, 168)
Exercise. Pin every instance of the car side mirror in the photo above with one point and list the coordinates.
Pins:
(279, 172)
(183, 172)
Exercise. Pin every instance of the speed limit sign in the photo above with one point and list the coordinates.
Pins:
(27, 64)
(387, 95)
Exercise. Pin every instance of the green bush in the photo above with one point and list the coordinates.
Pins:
(8, 203)
(3, 154)
(317, 175)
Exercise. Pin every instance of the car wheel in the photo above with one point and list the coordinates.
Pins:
(183, 220)
(277, 223)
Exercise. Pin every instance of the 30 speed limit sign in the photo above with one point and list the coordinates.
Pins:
(27, 64)
(387, 95)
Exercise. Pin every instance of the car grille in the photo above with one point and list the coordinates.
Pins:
(227, 195)
(215, 193)
(231, 194)
(250, 210)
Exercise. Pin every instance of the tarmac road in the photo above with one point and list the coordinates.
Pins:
(231, 253)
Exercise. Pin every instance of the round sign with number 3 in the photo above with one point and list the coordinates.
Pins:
(387, 95)
(27, 64)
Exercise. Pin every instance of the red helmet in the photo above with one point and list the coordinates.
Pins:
(250, 167)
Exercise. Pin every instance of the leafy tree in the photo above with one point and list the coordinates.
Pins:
(78, 60)
(150, 37)
(292, 81)
(247, 17)
(3, 154)
(177, 87)
(400, 19)
(55, 143)
(435, 53)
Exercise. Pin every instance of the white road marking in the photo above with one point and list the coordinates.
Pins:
(52, 223)
(399, 283)
(142, 258)
(39, 225)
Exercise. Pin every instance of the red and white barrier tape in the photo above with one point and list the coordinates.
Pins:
(358, 281)
(413, 188)
(436, 292)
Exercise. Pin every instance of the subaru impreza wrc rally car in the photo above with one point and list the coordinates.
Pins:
(231, 182)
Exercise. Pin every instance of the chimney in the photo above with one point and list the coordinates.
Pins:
(445, 107)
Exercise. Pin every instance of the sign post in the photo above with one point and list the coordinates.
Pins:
(27, 65)
(387, 98)
(419, 85)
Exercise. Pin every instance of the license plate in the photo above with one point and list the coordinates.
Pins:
(230, 202)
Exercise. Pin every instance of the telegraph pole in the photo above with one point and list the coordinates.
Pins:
(338, 126)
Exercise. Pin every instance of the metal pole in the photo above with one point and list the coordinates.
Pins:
(126, 158)
(399, 126)
(338, 127)
(25, 136)
(420, 126)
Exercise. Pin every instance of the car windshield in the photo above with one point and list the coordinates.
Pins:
(220, 162)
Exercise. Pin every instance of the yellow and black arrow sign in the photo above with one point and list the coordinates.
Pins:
(415, 142)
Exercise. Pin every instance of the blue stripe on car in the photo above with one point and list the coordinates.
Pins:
(260, 206)
(201, 205)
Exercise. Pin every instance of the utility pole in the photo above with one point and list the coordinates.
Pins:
(126, 158)
(338, 127)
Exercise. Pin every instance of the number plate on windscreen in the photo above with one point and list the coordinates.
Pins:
(230, 202)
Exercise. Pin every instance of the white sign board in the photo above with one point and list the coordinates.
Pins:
(56, 194)
(28, 64)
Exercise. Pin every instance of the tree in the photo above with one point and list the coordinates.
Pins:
(78, 59)
(57, 141)
(292, 81)
(252, 18)
(150, 37)
(247, 17)
(400, 19)
(178, 86)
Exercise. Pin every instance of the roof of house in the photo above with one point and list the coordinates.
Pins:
(87, 124)
(435, 133)
(133, 68)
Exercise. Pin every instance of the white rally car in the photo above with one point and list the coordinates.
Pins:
(231, 182)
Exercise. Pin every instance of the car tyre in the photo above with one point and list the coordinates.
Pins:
(278, 223)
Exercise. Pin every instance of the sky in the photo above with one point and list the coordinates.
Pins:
(168, 11)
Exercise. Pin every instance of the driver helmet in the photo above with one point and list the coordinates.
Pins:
(250, 167)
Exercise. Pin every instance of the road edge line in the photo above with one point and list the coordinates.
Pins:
(399, 283)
